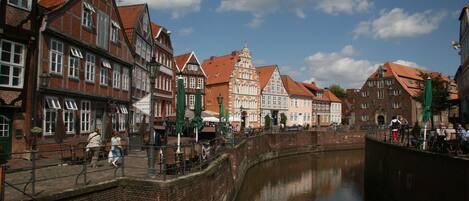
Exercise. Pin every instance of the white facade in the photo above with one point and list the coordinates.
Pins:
(299, 111)
(274, 99)
(336, 112)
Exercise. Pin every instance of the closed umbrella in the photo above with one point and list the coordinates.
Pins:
(222, 113)
(197, 120)
(427, 107)
(180, 111)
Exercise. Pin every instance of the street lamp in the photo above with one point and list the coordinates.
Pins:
(220, 115)
(243, 117)
(153, 67)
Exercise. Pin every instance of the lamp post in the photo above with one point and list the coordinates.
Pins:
(220, 115)
(153, 67)
(243, 118)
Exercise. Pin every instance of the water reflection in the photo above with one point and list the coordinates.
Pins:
(332, 176)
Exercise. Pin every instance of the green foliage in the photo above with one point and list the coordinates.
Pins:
(338, 91)
(283, 118)
(267, 122)
(440, 92)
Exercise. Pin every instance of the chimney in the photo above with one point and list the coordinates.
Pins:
(212, 57)
(313, 83)
(233, 53)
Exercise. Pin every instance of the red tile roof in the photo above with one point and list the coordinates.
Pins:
(181, 60)
(265, 73)
(294, 88)
(312, 86)
(331, 96)
(155, 29)
(52, 4)
(219, 68)
(129, 16)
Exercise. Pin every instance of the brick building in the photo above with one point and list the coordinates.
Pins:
(85, 63)
(299, 103)
(18, 58)
(392, 90)
(194, 76)
(274, 97)
(321, 115)
(234, 77)
(462, 74)
(165, 83)
(348, 104)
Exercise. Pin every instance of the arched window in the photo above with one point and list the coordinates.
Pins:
(4, 126)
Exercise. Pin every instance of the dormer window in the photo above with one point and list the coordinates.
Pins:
(145, 23)
(381, 72)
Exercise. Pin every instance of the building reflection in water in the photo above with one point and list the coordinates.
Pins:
(331, 176)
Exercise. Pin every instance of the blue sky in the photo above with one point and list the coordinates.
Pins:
(327, 41)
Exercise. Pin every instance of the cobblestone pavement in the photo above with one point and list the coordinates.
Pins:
(57, 178)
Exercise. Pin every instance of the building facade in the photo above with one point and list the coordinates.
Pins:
(165, 83)
(234, 77)
(336, 107)
(321, 110)
(136, 24)
(274, 97)
(299, 103)
(462, 75)
(194, 76)
(392, 90)
(18, 59)
(85, 64)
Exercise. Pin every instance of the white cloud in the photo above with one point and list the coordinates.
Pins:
(338, 67)
(178, 8)
(185, 31)
(335, 7)
(408, 63)
(397, 23)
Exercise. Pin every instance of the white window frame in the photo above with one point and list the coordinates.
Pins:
(12, 65)
(69, 121)
(90, 67)
(102, 30)
(104, 76)
(114, 33)
(85, 116)
(51, 123)
(58, 55)
(192, 83)
(87, 15)
(191, 101)
(116, 76)
(4, 126)
(125, 79)
(25, 7)
(73, 66)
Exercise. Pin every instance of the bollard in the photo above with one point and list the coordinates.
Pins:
(2, 180)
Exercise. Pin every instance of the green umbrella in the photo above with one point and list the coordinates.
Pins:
(222, 112)
(227, 118)
(180, 110)
(427, 107)
(197, 121)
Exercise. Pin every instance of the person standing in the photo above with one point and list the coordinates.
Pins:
(93, 146)
(395, 125)
(403, 129)
(116, 149)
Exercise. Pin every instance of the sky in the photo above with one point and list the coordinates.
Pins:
(326, 41)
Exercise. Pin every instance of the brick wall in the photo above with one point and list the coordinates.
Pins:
(223, 178)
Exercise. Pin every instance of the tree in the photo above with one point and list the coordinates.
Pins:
(440, 93)
(283, 118)
(338, 91)
(267, 122)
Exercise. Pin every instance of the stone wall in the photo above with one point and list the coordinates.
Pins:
(397, 173)
(224, 177)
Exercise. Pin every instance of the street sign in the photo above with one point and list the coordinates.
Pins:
(143, 105)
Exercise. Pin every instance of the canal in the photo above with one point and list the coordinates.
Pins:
(329, 176)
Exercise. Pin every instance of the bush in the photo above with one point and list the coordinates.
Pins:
(267, 122)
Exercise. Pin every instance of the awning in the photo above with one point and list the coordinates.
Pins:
(115, 24)
(53, 103)
(123, 109)
(89, 7)
(106, 63)
(70, 104)
(210, 119)
(76, 53)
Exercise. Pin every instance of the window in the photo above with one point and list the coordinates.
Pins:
(116, 76)
(104, 76)
(102, 30)
(51, 106)
(90, 67)
(70, 104)
(389, 82)
(122, 122)
(85, 116)
(12, 58)
(200, 83)
(365, 94)
(56, 56)
(4, 126)
(364, 105)
(396, 105)
(25, 4)
(115, 31)
(53, 103)
(364, 118)
(380, 94)
(192, 67)
(380, 84)
(192, 83)
(73, 66)
(69, 121)
(87, 15)
(185, 82)
(191, 101)
(125, 79)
